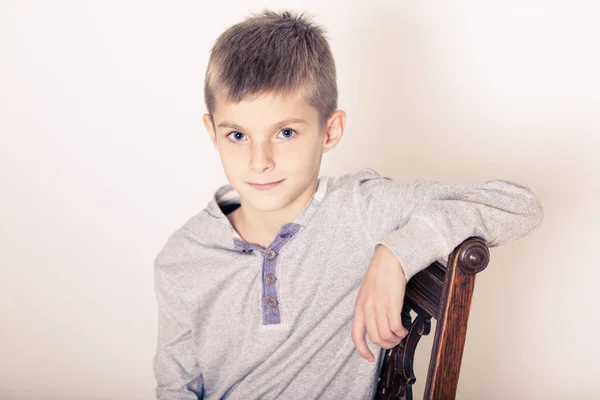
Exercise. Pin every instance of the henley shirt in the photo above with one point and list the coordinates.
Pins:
(239, 321)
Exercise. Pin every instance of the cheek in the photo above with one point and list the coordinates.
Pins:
(299, 153)
(232, 154)
(231, 163)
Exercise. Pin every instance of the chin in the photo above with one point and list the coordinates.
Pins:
(266, 203)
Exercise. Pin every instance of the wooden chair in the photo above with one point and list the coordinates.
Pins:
(444, 292)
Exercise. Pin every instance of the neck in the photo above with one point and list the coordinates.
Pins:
(261, 227)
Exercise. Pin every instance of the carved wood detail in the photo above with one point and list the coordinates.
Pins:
(442, 291)
(397, 375)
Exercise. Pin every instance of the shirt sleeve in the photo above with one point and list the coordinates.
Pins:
(424, 221)
(176, 369)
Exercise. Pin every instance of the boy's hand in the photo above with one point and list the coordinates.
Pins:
(379, 304)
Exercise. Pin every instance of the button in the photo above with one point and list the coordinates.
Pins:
(270, 254)
(271, 302)
(271, 278)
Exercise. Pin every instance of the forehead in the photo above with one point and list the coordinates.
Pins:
(264, 109)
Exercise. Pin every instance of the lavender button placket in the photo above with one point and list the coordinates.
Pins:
(270, 300)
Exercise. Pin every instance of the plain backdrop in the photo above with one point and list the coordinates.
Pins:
(103, 155)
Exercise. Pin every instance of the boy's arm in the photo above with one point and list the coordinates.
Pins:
(176, 370)
(411, 226)
(424, 221)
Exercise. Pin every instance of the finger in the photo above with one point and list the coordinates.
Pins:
(388, 339)
(371, 324)
(358, 335)
(395, 322)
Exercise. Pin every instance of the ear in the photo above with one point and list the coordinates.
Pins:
(210, 128)
(334, 129)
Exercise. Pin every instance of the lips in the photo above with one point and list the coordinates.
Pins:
(265, 186)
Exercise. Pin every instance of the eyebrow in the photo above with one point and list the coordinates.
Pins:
(226, 124)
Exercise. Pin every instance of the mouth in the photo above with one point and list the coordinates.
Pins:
(265, 186)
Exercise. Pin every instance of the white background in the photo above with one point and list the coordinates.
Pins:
(103, 155)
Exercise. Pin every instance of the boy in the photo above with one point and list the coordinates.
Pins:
(269, 291)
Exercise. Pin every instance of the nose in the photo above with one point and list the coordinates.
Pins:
(261, 158)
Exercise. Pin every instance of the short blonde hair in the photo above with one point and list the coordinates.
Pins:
(272, 53)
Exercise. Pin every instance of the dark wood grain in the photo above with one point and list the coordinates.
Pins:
(397, 373)
(442, 291)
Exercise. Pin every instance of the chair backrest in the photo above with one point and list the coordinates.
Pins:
(442, 292)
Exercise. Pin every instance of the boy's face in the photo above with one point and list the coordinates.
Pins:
(276, 140)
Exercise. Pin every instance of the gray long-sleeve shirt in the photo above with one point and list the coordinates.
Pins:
(239, 321)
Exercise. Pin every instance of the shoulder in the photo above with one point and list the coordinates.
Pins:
(360, 175)
(196, 240)
(177, 249)
(358, 184)
(351, 181)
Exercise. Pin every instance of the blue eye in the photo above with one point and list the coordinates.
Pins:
(237, 136)
(287, 133)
